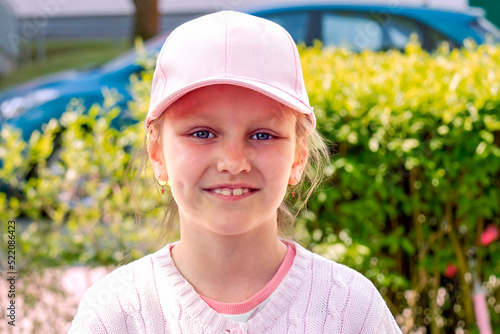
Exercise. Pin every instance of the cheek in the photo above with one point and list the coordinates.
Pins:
(278, 163)
(183, 162)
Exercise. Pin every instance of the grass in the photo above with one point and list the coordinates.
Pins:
(63, 55)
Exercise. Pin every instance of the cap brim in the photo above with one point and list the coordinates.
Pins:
(263, 88)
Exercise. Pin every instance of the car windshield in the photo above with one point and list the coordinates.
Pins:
(130, 57)
(485, 29)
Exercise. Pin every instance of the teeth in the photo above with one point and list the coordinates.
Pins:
(233, 192)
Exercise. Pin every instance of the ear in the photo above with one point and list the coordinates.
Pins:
(155, 154)
(299, 163)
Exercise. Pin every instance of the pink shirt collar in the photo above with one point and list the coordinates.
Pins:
(262, 295)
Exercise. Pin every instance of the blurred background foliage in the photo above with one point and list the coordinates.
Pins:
(411, 192)
(415, 178)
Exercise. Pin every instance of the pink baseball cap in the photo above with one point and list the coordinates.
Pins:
(229, 48)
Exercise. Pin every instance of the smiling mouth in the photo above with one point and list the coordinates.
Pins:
(232, 192)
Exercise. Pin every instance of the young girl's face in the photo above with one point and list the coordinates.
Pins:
(229, 153)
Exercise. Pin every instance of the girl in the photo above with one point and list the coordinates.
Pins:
(229, 127)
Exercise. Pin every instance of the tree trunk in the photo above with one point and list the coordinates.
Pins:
(147, 19)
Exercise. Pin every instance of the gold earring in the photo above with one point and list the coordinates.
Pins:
(162, 184)
(294, 186)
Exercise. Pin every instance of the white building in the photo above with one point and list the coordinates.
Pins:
(62, 8)
(8, 50)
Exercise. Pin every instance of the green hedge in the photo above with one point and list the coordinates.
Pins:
(416, 174)
(413, 182)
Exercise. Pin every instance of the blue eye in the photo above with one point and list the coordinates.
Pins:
(262, 136)
(203, 134)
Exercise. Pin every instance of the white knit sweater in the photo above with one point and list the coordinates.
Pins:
(151, 296)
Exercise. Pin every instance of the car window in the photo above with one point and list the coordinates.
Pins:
(351, 30)
(296, 23)
(399, 30)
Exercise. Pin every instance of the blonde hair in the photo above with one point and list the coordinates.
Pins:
(307, 137)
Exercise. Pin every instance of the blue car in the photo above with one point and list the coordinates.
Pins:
(32, 104)
(36, 102)
(381, 28)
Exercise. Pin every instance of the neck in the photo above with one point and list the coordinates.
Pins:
(229, 268)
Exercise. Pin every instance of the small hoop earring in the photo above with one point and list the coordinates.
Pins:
(162, 184)
(294, 186)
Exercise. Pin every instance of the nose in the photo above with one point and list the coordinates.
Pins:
(234, 158)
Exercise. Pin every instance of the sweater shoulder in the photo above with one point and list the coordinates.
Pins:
(337, 274)
(134, 275)
(345, 276)
(116, 300)
(348, 295)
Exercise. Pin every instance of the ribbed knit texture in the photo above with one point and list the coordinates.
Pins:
(151, 296)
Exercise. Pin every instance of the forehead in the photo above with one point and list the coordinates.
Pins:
(229, 101)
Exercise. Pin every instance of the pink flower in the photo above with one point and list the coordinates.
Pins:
(489, 235)
(451, 270)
